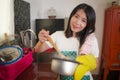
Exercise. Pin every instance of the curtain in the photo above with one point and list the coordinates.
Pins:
(6, 19)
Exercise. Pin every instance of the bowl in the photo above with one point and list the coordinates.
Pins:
(10, 54)
(63, 66)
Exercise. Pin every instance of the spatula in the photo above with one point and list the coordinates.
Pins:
(56, 48)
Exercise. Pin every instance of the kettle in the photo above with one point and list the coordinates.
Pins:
(27, 37)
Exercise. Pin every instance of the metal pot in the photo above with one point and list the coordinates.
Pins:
(60, 65)
(63, 66)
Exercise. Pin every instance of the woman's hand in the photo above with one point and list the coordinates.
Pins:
(43, 35)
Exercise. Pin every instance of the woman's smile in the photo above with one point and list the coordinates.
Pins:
(78, 21)
(76, 28)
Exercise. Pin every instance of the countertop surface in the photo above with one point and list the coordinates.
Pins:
(38, 71)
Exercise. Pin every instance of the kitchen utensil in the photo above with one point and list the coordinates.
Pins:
(63, 66)
(56, 48)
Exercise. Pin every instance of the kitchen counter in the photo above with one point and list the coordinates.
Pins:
(38, 71)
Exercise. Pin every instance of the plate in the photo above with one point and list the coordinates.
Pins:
(10, 54)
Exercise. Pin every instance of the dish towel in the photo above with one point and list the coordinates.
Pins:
(87, 63)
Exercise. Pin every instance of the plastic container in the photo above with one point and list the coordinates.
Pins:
(9, 49)
(12, 71)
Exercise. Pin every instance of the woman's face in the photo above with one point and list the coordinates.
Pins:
(78, 21)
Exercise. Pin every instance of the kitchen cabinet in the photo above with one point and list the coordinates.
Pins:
(110, 56)
(49, 24)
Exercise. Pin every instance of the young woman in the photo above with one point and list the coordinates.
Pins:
(77, 39)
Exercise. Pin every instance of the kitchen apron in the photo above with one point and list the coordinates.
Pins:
(72, 55)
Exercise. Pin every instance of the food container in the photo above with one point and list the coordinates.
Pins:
(10, 54)
(12, 71)
(63, 66)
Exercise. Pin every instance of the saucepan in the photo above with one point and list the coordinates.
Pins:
(61, 64)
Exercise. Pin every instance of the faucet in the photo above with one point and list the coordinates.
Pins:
(30, 30)
(25, 37)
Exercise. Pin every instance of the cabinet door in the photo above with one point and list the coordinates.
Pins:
(115, 56)
(116, 27)
(107, 33)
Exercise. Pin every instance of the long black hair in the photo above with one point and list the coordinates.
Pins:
(90, 27)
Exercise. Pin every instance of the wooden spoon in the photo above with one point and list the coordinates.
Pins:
(56, 48)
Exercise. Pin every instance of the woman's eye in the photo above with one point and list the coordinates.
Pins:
(84, 21)
(76, 16)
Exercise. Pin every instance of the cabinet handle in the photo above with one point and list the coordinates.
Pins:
(119, 28)
(118, 55)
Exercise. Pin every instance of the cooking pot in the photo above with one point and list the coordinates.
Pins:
(63, 66)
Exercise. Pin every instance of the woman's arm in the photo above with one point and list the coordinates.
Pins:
(37, 46)
(41, 45)
(90, 46)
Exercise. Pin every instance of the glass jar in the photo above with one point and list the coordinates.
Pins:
(51, 13)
